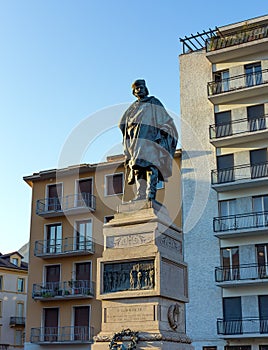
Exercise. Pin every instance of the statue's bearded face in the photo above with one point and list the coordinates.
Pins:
(140, 91)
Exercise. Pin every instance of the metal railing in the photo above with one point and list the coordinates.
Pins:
(241, 272)
(238, 82)
(63, 246)
(239, 172)
(17, 321)
(60, 204)
(64, 289)
(240, 221)
(68, 334)
(236, 127)
(4, 346)
(253, 325)
(238, 37)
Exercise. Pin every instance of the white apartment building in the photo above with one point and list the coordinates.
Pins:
(224, 127)
(13, 298)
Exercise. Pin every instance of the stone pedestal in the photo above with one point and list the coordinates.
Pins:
(142, 278)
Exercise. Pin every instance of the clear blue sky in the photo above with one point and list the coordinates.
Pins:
(63, 60)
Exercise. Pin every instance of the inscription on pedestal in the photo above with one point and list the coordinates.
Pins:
(129, 313)
(136, 275)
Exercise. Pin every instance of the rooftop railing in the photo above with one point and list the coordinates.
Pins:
(238, 37)
(63, 290)
(65, 246)
(249, 325)
(238, 82)
(241, 273)
(236, 127)
(61, 204)
(239, 172)
(69, 334)
(240, 221)
(17, 321)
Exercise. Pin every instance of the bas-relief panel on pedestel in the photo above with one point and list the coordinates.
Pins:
(136, 275)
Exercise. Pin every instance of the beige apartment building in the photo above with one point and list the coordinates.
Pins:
(224, 108)
(13, 299)
(69, 208)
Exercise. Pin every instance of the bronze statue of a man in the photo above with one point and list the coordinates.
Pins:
(149, 140)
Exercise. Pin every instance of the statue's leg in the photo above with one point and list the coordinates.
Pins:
(141, 183)
(152, 179)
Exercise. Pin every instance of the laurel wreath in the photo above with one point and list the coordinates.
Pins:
(125, 333)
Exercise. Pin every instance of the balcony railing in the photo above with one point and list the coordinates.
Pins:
(70, 334)
(63, 290)
(238, 82)
(62, 204)
(17, 321)
(237, 37)
(250, 325)
(4, 346)
(239, 172)
(237, 127)
(240, 221)
(241, 272)
(65, 246)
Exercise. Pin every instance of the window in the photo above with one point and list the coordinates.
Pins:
(263, 313)
(227, 210)
(209, 347)
(237, 347)
(51, 316)
(81, 323)
(84, 195)
(225, 166)
(20, 309)
(114, 184)
(223, 124)
(260, 208)
(54, 238)
(1, 282)
(258, 163)
(108, 218)
(221, 81)
(232, 315)
(21, 286)
(256, 118)
(83, 238)
(262, 259)
(15, 261)
(253, 74)
(19, 337)
(230, 263)
(54, 194)
(1, 308)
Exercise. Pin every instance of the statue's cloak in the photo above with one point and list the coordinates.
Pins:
(149, 136)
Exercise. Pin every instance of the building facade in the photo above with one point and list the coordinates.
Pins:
(13, 299)
(224, 106)
(69, 208)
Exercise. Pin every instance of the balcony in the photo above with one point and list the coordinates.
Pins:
(238, 43)
(240, 176)
(246, 274)
(63, 290)
(239, 131)
(243, 328)
(239, 87)
(4, 346)
(241, 224)
(63, 247)
(16, 322)
(62, 335)
(73, 204)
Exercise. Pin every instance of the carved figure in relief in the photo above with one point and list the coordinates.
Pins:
(131, 279)
(151, 274)
(139, 279)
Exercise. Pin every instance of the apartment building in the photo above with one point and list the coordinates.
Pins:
(224, 106)
(69, 208)
(13, 298)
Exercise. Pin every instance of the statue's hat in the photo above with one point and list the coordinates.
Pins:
(138, 82)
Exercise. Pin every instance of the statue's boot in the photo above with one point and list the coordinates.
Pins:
(152, 180)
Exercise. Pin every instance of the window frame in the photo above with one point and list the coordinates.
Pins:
(106, 194)
(21, 290)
